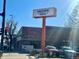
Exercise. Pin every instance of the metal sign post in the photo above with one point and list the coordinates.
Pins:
(43, 13)
(3, 23)
(43, 35)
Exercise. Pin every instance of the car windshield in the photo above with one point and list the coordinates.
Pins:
(51, 47)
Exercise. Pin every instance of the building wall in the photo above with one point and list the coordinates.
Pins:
(57, 36)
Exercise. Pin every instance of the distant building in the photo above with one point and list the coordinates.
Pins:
(57, 36)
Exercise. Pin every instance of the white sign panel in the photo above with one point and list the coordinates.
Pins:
(44, 12)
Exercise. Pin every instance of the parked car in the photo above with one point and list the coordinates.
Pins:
(52, 51)
(68, 49)
(69, 52)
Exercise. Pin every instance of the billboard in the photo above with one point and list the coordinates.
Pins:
(44, 12)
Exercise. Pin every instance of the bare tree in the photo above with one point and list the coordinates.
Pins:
(73, 18)
(11, 29)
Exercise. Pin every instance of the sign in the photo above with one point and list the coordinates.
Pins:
(44, 12)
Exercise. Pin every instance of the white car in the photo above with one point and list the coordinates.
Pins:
(69, 52)
(68, 49)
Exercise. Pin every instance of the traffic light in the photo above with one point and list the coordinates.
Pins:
(5, 32)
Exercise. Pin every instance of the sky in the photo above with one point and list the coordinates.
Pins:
(22, 11)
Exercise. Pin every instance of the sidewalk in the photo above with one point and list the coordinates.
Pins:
(20, 56)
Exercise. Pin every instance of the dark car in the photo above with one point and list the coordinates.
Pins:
(52, 51)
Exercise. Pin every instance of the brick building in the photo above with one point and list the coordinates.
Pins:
(57, 36)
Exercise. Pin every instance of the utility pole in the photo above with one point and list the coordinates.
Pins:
(3, 24)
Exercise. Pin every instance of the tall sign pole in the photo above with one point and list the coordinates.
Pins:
(3, 23)
(43, 13)
(43, 41)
